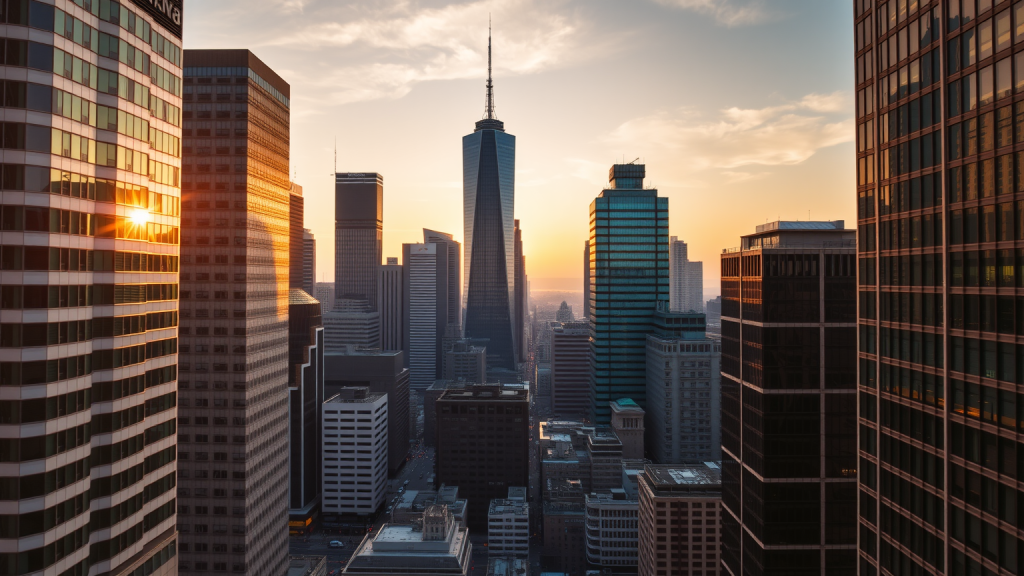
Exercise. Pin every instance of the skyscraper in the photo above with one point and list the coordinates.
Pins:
(520, 295)
(425, 271)
(570, 370)
(305, 396)
(296, 217)
(358, 235)
(488, 183)
(391, 305)
(628, 277)
(454, 306)
(89, 288)
(686, 279)
(789, 425)
(938, 306)
(234, 328)
(586, 280)
(308, 262)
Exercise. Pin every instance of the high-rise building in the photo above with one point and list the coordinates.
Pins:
(425, 271)
(308, 261)
(941, 401)
(586, 279)
(305, 397)
(680, 519)
(358, 235)
(352, 323)
(684, 393)
(466, 361)
(627, 422)
(570, 370)
(612, 519)
(482, 443)
(296, 246)
(564, 313)
(686, 278)
(520, 294)
(391, 305)
(628, 276)
(488, 183)
(384, 373)
(89, 287)
(789, 425)
(355, 451)
(454, 290)
(325, 295)
(508, 527)
(234, 328)
(713, 310)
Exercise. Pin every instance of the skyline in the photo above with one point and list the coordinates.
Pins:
(412, 77)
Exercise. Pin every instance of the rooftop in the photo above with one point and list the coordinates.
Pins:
(625, 405)
(355, 395)
(505, 506)
(801, 225)
(684, 477)
(507, 566)
(487, 392)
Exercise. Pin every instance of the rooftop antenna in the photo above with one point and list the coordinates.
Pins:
(489, 105)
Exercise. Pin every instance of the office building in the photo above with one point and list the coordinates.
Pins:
(520, 294)
(413, 503)
(307, 565)
(355, 451)
(686, 279)
(680, 519)
(586, 280)
(308, 261)
(565, 540)
(482, 441)
(635, 248)
(391, 305)
(508, 527)
(574, 452)
(488, 181)
(436, 545)
(430, 396)
(358, 235)
(628, 424)
(426, 273)
(89, 265)
(714, 317)
(454, 288)
(296, 245)
(564, 313)
(234, 304)
(465, 361)
(383, 373)
(789, 456)
(305, 397)
(612, 531)
(936, 307)
(507, 565)
(325, 295)
(570, 370)
(352, 323)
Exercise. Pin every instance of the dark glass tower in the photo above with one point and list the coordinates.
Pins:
(488, 183)
(628, 277)
(940, 120)
(789, 458)
(358, 235)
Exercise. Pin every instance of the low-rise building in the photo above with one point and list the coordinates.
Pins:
(565, 536)
(628, 424)
(355, 452)
(508, 566)
(680, 520)
(436, 545)
(413, 503)
(612, 531)
(307, 566)
(508, 526)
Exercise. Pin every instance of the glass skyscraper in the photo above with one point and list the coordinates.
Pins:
(90, 200)
(488, 183)
(628, 277)
(940, 128)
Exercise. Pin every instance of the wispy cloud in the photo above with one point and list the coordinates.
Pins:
(734, 138)
(726, 12)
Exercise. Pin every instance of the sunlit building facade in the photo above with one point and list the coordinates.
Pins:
(233, 414)
(89, 258)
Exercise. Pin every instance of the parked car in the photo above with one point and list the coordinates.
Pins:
(337, 544)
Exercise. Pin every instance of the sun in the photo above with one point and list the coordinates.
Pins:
(139, 217)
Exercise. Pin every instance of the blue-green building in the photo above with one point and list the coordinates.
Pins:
(628, 275)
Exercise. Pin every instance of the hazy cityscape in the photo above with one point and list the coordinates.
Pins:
(199, 376)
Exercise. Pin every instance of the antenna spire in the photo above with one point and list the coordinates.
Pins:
(489, 106)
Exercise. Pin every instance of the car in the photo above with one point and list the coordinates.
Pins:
(336, 544)
(406, 483)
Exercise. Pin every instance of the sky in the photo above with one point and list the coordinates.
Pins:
(742, 110)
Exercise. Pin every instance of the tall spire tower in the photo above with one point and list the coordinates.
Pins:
(488, 181)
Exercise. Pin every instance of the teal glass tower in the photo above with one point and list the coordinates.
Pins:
(628, 276)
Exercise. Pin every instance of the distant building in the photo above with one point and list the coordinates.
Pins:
(628, 425)
(466, 361)
(714, 317)
(425, 273)
(382, 372)
(436, 545)
(305, 396)
(358, 235)
(351, 323)
(570, 370)
(572, 451)
(413, 503)
(391, 305)
(482, 442)
(325, 295)
(519, 323)
(565, 536)
(506, 565)
(508, 527)
(612, 531)
(680, 520)
(453, 307)
(355, 452)
(564, 313)
(686, 278)
(586, 280)
(308, 261)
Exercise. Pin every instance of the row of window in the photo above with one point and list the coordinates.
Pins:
(69, 296)
(919, 34)
(911, 346)
(109, 391)
(54, 181)
(911, 78)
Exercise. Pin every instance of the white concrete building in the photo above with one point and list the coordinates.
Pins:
(686, 279)
(355, 452)
(612, 530)
(684, 395)
(438, 546)
(508, 526)
(421, 264)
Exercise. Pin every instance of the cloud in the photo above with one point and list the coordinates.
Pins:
(727, 12)
(734, 138)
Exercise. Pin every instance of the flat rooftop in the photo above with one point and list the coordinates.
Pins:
(699, 476)
(505, 506)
